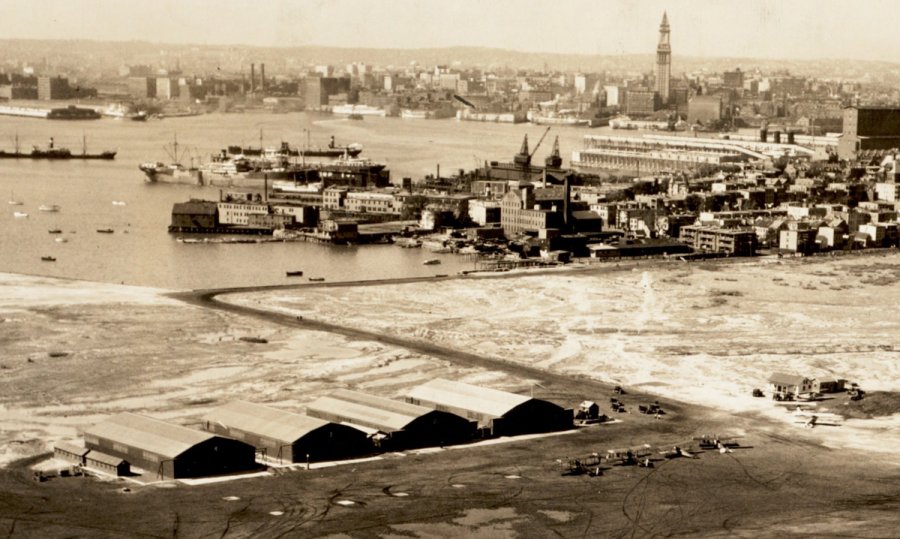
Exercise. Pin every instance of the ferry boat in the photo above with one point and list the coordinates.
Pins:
(362, 110)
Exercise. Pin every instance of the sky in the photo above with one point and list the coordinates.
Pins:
(802, 29)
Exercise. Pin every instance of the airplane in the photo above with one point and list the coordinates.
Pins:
(678, 452)
(637, 456)
(588, 464)
(714, 441)
(811, 421)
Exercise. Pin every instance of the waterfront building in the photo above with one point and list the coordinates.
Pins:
(735, 242)
(53, 88)
(869, 128)
(705, 109)
(371, 202)
(239, 213)
(166, 88)
(195, 214)
(663, 62)
(142, 87)
(319, 89)
(641, 101)
(659, 153)
(525, 210)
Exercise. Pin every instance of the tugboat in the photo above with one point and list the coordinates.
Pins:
(48, 259)
(298, 273)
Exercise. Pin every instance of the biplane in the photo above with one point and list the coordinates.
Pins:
(587, 465)
(633, 456)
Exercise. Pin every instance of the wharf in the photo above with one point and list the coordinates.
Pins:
(219, 230)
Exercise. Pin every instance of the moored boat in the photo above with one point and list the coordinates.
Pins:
(105, 230)
(431, 262)
(48, 259)
(54, 231)
(49, 207)
(20, 214)
(297, 273)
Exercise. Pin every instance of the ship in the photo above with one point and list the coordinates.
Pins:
(52, 152)
(557, 119)
(332, 151)
(362, 110)
(239, 171)
(174, 172)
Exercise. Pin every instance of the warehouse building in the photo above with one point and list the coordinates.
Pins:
(285, 436)
(166, 450)
(107, 463)
(498, 412)
(70, 452)
(393, 424)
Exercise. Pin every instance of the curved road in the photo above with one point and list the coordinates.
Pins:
(589, 387)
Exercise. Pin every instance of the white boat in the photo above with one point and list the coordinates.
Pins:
(20, 215)
(118, 202)
(410, 114)
(60, 240)
(364, 110)
(431, 262)
(48, 207)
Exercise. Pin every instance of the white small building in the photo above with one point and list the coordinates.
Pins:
(791, 386)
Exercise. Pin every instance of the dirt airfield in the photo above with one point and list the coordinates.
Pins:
(76, 352)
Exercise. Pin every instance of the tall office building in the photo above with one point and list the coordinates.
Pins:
(663, 61)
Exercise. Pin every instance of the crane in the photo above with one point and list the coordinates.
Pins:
(523, 158)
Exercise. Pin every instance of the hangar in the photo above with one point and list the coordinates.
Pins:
(286, 436)
(400, 424)
(499, 412)
(170, 451)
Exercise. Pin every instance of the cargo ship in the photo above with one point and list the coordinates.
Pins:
(52, 152)
(332, 151)
(239, 171)
(174, 172)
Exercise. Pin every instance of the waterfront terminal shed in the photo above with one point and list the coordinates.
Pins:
(502, 413)
(287, 436)
(404, 425)
(167, 450)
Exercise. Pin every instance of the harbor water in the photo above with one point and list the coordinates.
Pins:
(140, 251)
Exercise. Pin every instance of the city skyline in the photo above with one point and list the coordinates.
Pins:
(758, 29)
